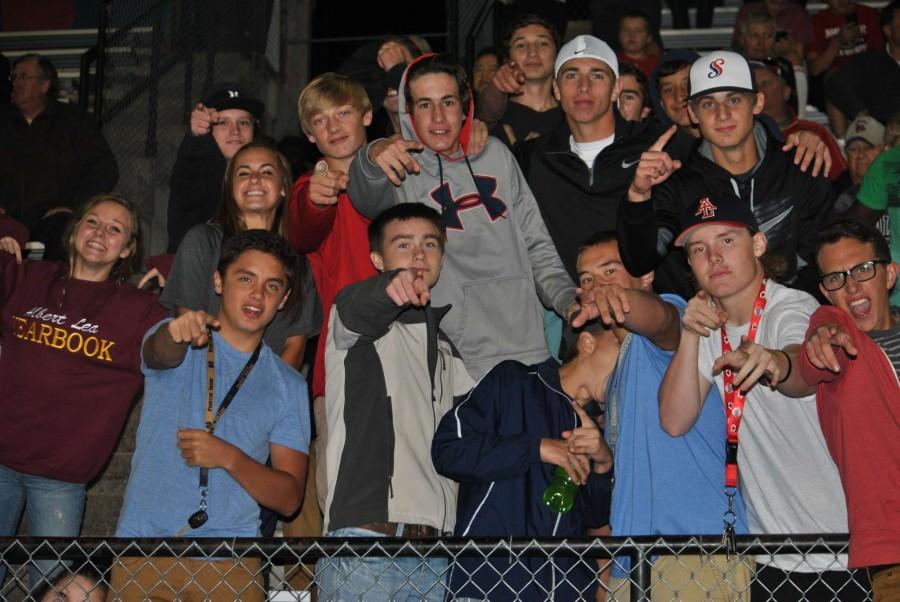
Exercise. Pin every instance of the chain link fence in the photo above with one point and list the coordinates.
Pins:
(371, 568)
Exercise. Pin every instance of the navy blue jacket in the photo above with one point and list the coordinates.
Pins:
(490, 444)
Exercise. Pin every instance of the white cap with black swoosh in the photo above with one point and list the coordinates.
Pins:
(586, 47)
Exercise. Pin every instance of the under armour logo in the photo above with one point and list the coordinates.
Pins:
(716, 68)
(486, 186)
(233, 94)
(705, 209)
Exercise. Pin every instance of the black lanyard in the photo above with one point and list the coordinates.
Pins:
(199, 518)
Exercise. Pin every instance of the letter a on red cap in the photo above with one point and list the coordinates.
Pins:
(705, 208)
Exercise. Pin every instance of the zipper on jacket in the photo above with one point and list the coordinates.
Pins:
(391, 486)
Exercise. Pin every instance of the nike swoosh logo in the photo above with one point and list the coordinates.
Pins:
(579, 51)
(626, 164)
(770, 223)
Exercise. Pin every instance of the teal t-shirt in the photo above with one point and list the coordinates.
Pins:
(272, 406)
(880, 191)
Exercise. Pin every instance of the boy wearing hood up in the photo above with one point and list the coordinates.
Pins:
(498, 248)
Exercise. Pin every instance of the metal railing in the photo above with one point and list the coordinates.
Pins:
(650, 568)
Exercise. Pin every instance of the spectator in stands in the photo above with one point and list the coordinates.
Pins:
(334, 111)
(260, 410)
(70, 364)
(742, 334)
(587, 158)
(606, 14)
(759, 42)
(52, 157)
(393, 57)
(774, 78)
(257, 181)
(863, 142)
(85, 585)
(852, 353)
(487, 61)
(226, 120)
(527, 80)
(498, 246)
(634, 100)
(880, 195)
(737, 159)
(842, 30)
(636, 42)
(503, 443)
(790, 18)
(384, 403)
(870, 81)
(662, 483)
(669, 89)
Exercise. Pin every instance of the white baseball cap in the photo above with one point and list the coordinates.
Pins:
(865, 128)
(720, 71)
(586, 47)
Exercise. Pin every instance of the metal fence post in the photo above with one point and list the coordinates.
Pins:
(639, 581)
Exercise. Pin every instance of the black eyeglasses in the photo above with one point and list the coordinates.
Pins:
(860, 273)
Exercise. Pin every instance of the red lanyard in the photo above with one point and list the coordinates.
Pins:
(734, 411)
(735, 398)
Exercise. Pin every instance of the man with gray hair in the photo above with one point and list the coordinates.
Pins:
(52, 157)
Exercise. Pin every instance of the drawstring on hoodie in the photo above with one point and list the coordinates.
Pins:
(471, 173)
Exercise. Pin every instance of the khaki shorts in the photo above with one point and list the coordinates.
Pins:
(689, 578)
(168, 579)
(885, 583)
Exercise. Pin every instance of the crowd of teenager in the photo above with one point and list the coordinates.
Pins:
(641, 272)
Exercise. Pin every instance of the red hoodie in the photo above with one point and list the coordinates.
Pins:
(335, 240)
(859, 410)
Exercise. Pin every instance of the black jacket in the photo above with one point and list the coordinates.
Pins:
(195, 189)
(790, 206)
(60, 159)
(577, 202)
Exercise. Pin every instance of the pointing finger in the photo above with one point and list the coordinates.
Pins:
(664, 139)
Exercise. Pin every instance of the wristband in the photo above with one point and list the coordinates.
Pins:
(790, 368)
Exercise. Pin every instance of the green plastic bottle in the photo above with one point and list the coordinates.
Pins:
(560, 494)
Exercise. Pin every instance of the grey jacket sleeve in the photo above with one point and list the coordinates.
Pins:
(554, 286)
(369, 189)
(364, 310)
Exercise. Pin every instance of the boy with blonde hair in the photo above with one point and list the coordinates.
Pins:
(334, 111)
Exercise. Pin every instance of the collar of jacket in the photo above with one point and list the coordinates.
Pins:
(558, 139)
(766, 147)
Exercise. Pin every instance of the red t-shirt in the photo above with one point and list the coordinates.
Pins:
(859, 411)
(336, 243)
(827, 24)
(70, 367)
(646, 64)
(838, 162)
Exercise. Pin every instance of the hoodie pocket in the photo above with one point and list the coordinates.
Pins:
(501, 318)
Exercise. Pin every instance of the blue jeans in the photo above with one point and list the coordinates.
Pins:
(53, 508)
(352, 578)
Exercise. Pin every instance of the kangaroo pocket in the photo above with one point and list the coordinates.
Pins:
(501, 318)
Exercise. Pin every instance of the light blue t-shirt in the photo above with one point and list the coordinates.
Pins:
(272, 406)
(664, 485)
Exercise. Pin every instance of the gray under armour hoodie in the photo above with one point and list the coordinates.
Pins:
(500, 262)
